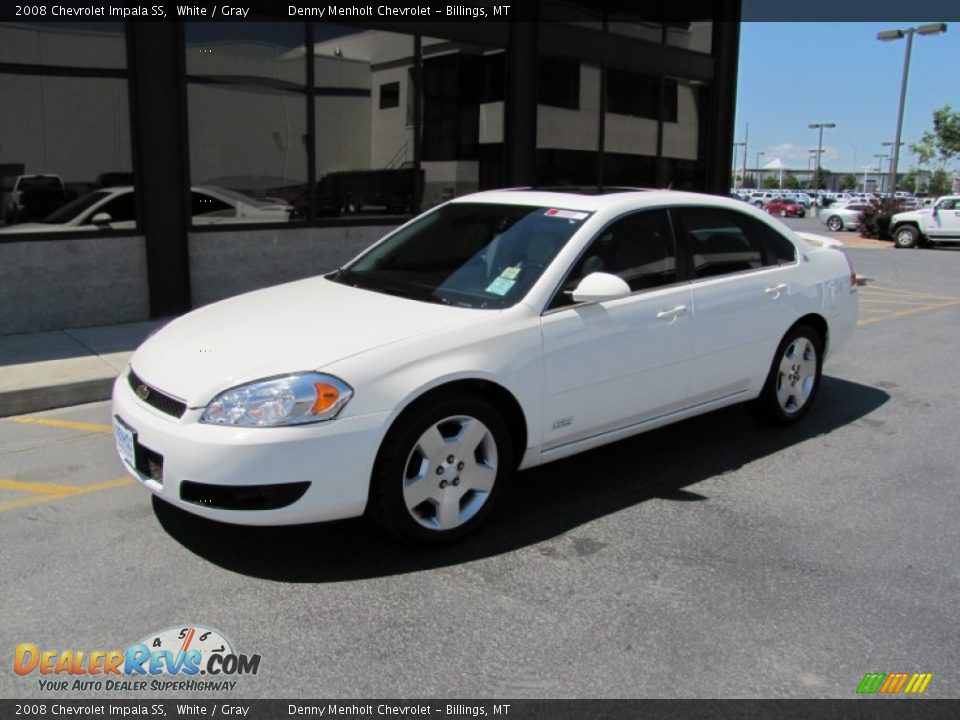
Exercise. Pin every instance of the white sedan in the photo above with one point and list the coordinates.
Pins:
(497, 332)
(114, 208)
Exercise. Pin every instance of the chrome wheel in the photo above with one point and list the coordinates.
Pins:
(797, 375)
(450, 472)
(835, 224)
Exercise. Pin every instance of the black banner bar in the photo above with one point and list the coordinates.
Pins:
(856, 709)
(581, 11)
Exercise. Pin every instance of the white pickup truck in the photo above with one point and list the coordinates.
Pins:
(44, 192)
(938, 223)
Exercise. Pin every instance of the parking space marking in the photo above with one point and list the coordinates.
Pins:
(889, 303)
(65, 424)
(903, 313)
(46, 492)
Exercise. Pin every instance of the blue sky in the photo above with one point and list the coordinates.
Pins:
(797, 73)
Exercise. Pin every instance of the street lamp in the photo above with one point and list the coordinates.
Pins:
(815, 155)
(880, 158)
(820, 127)
(759, 174)
(744, 178)
(887, 36)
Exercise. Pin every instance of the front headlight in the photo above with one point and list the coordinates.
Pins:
(288, 400)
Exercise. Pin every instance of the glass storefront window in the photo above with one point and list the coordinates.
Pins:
(65, 122)
(246, 100)
(568, 125)
(462, 132)
(363, 85)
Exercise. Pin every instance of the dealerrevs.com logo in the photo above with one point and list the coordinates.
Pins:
(178, 659)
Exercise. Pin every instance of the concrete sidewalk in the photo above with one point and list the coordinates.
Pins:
(44, 370)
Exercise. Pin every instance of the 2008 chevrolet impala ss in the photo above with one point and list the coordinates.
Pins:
(497, 332)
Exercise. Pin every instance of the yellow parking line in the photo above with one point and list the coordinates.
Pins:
(35, 487)
(900, 302)
(903, 313)
(66, 424)
(899, 291)
(55, 492)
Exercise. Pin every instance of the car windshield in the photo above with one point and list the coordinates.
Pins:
(39, 182)
(72, 209)
(475, 255)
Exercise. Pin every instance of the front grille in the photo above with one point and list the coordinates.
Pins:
(154, 398)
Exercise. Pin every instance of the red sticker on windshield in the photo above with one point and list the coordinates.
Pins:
(568, 214)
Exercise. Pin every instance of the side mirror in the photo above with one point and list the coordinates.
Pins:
(600, 286)
(101, 218)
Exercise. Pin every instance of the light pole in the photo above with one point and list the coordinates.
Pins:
(886, 145)
(815, 156)
(880, 158)
(887, 36)
(759, 174)
(743, 179)
(820, 127)
(866, 169)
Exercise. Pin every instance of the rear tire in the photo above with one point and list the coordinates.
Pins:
(441, 469)
(834, 223)
(794, 377)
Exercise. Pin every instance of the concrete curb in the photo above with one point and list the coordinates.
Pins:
(48, 397)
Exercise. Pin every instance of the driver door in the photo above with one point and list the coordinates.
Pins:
(613, 364)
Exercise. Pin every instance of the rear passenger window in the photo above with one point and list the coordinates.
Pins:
(780, 251)
(720, 242)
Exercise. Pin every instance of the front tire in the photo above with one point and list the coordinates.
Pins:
(906, 236)
(794, 377)
(441, 469)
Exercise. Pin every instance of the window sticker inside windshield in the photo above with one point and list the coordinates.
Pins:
(568, 214)
(500, 286)
(510, 273)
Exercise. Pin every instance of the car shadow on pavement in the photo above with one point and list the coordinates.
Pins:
(543, 503)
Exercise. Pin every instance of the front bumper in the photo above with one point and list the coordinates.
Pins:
(336, 458)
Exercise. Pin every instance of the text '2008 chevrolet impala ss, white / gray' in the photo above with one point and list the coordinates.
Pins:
(499, 331)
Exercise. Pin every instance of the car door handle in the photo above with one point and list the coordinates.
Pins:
(775, 290)
(672, 313)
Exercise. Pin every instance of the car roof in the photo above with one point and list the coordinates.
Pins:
(595, 201)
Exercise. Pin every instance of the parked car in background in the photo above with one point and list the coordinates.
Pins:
(804, 199)
(115, 209)
(939, 223)
(31, 197)
(761, 198)
(785, 208)
(499, 331)
(839, 216)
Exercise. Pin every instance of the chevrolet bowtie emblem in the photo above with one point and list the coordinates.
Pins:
(143, 392)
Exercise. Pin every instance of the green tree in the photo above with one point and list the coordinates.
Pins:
(849, 181)
(790, 181)
(771, 182)
(940, 183)
(909, 181)
(939, 149)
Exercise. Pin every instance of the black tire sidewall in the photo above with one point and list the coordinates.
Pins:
(831, 223)
(387, 506)
(913, 234)
(767, 402)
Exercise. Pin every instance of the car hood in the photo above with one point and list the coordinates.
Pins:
(911, 214)
(299, 326)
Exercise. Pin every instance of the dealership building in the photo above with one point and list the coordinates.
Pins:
(175, 164)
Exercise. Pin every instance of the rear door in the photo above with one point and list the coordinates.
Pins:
(741, 299)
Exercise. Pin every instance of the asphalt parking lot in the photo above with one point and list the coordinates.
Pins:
(713, 558)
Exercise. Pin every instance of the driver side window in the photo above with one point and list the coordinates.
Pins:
(638, 248)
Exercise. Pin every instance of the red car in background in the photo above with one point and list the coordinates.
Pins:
(784, 208)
